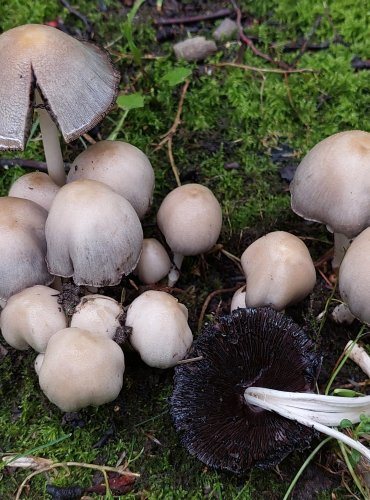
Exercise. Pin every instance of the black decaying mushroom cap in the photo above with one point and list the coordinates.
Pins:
(251, 347)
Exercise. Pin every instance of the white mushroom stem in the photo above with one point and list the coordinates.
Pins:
(341, 244)
(174, 273)
(50, 139)
(359, 356)
(313, 410)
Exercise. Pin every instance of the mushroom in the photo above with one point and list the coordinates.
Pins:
(80, 368)
(35, 186)
(154, 263)
(122, 166)
(190, 219)
(73, 80)
(93, 234)
(332, 186)
(279, 271)
(248, 400)
(238, 299)
(31, 317)
(160, 331)
(22, 246)
(354, 278)
(99, 314)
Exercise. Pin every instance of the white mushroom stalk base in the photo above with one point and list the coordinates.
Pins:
(314, 410)
(341, 244)
(174, 273)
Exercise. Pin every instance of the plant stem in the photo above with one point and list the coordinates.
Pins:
(113, 135)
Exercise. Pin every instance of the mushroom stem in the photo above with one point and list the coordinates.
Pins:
(359, 356)
(50, 139)
(313, 410)
(174, 273)
(341, 244)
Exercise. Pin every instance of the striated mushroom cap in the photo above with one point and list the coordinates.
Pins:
(31, 317)
(93, 234)
(80, 368)
(160, 330)
(279, 271)
(190, 219)
(251, 347)
(122, 166)
(35, 186)
(76, 80)
(332, 183)
(22, 246)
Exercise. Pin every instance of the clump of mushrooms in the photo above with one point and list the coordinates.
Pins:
(247, 401)
(190, 219)
(279, 271)
(160, 330)
(332, 186)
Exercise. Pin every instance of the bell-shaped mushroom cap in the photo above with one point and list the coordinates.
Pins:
(251, 347)
(121, 166)
(279, 271)
(332, 183)
(75, 78)
(31, 317)
(22, 246)
(81, 368)
(99, 314)
(92, 234)
(154, 263)
(160, 330)
(190, 219)
(354, 277)
(35, 186)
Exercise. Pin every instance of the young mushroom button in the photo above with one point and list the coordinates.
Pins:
(332, 186)
(190, 219)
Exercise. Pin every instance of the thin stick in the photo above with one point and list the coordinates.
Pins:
(246, 67)
(175, 170)
(189, 360)
(15, 162)
(194, 19)
(208, 300)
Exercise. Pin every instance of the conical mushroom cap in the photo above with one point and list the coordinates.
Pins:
(75, 78)
(251, 347)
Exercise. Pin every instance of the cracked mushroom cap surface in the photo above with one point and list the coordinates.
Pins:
(22, 246)
(190, 219)
(80, 368)
(332, 183)
(250, 347)
(75, 78)
(93, 234)
(122, 166)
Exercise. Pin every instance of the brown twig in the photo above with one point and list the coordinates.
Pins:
(307, 41)
(167, 137)
(75, 12)
(194, 19)
(19, 162)
(208, 300)
(246, 67)
(248, 42)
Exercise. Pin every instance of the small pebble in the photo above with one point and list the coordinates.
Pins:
(195, 49)
(226, 30)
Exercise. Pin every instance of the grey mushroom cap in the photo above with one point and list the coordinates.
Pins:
(93, 234)
(332, 183)
(354, 278)
(76, 80)
(35, 186)
(22, 246)
(122, 166)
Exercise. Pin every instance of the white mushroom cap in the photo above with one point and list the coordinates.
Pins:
(279, 271)
(81, 368)
(37, 187)
(22, 246)
(31, 317)
(99, 314)
(332, 183)
(93, 234)
(75, 78)
(238, 299)
(122, 166)
(190, 218)
(354, 277)
(154, 263)
(160, 331)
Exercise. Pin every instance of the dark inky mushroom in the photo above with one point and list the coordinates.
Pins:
(251, 347)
